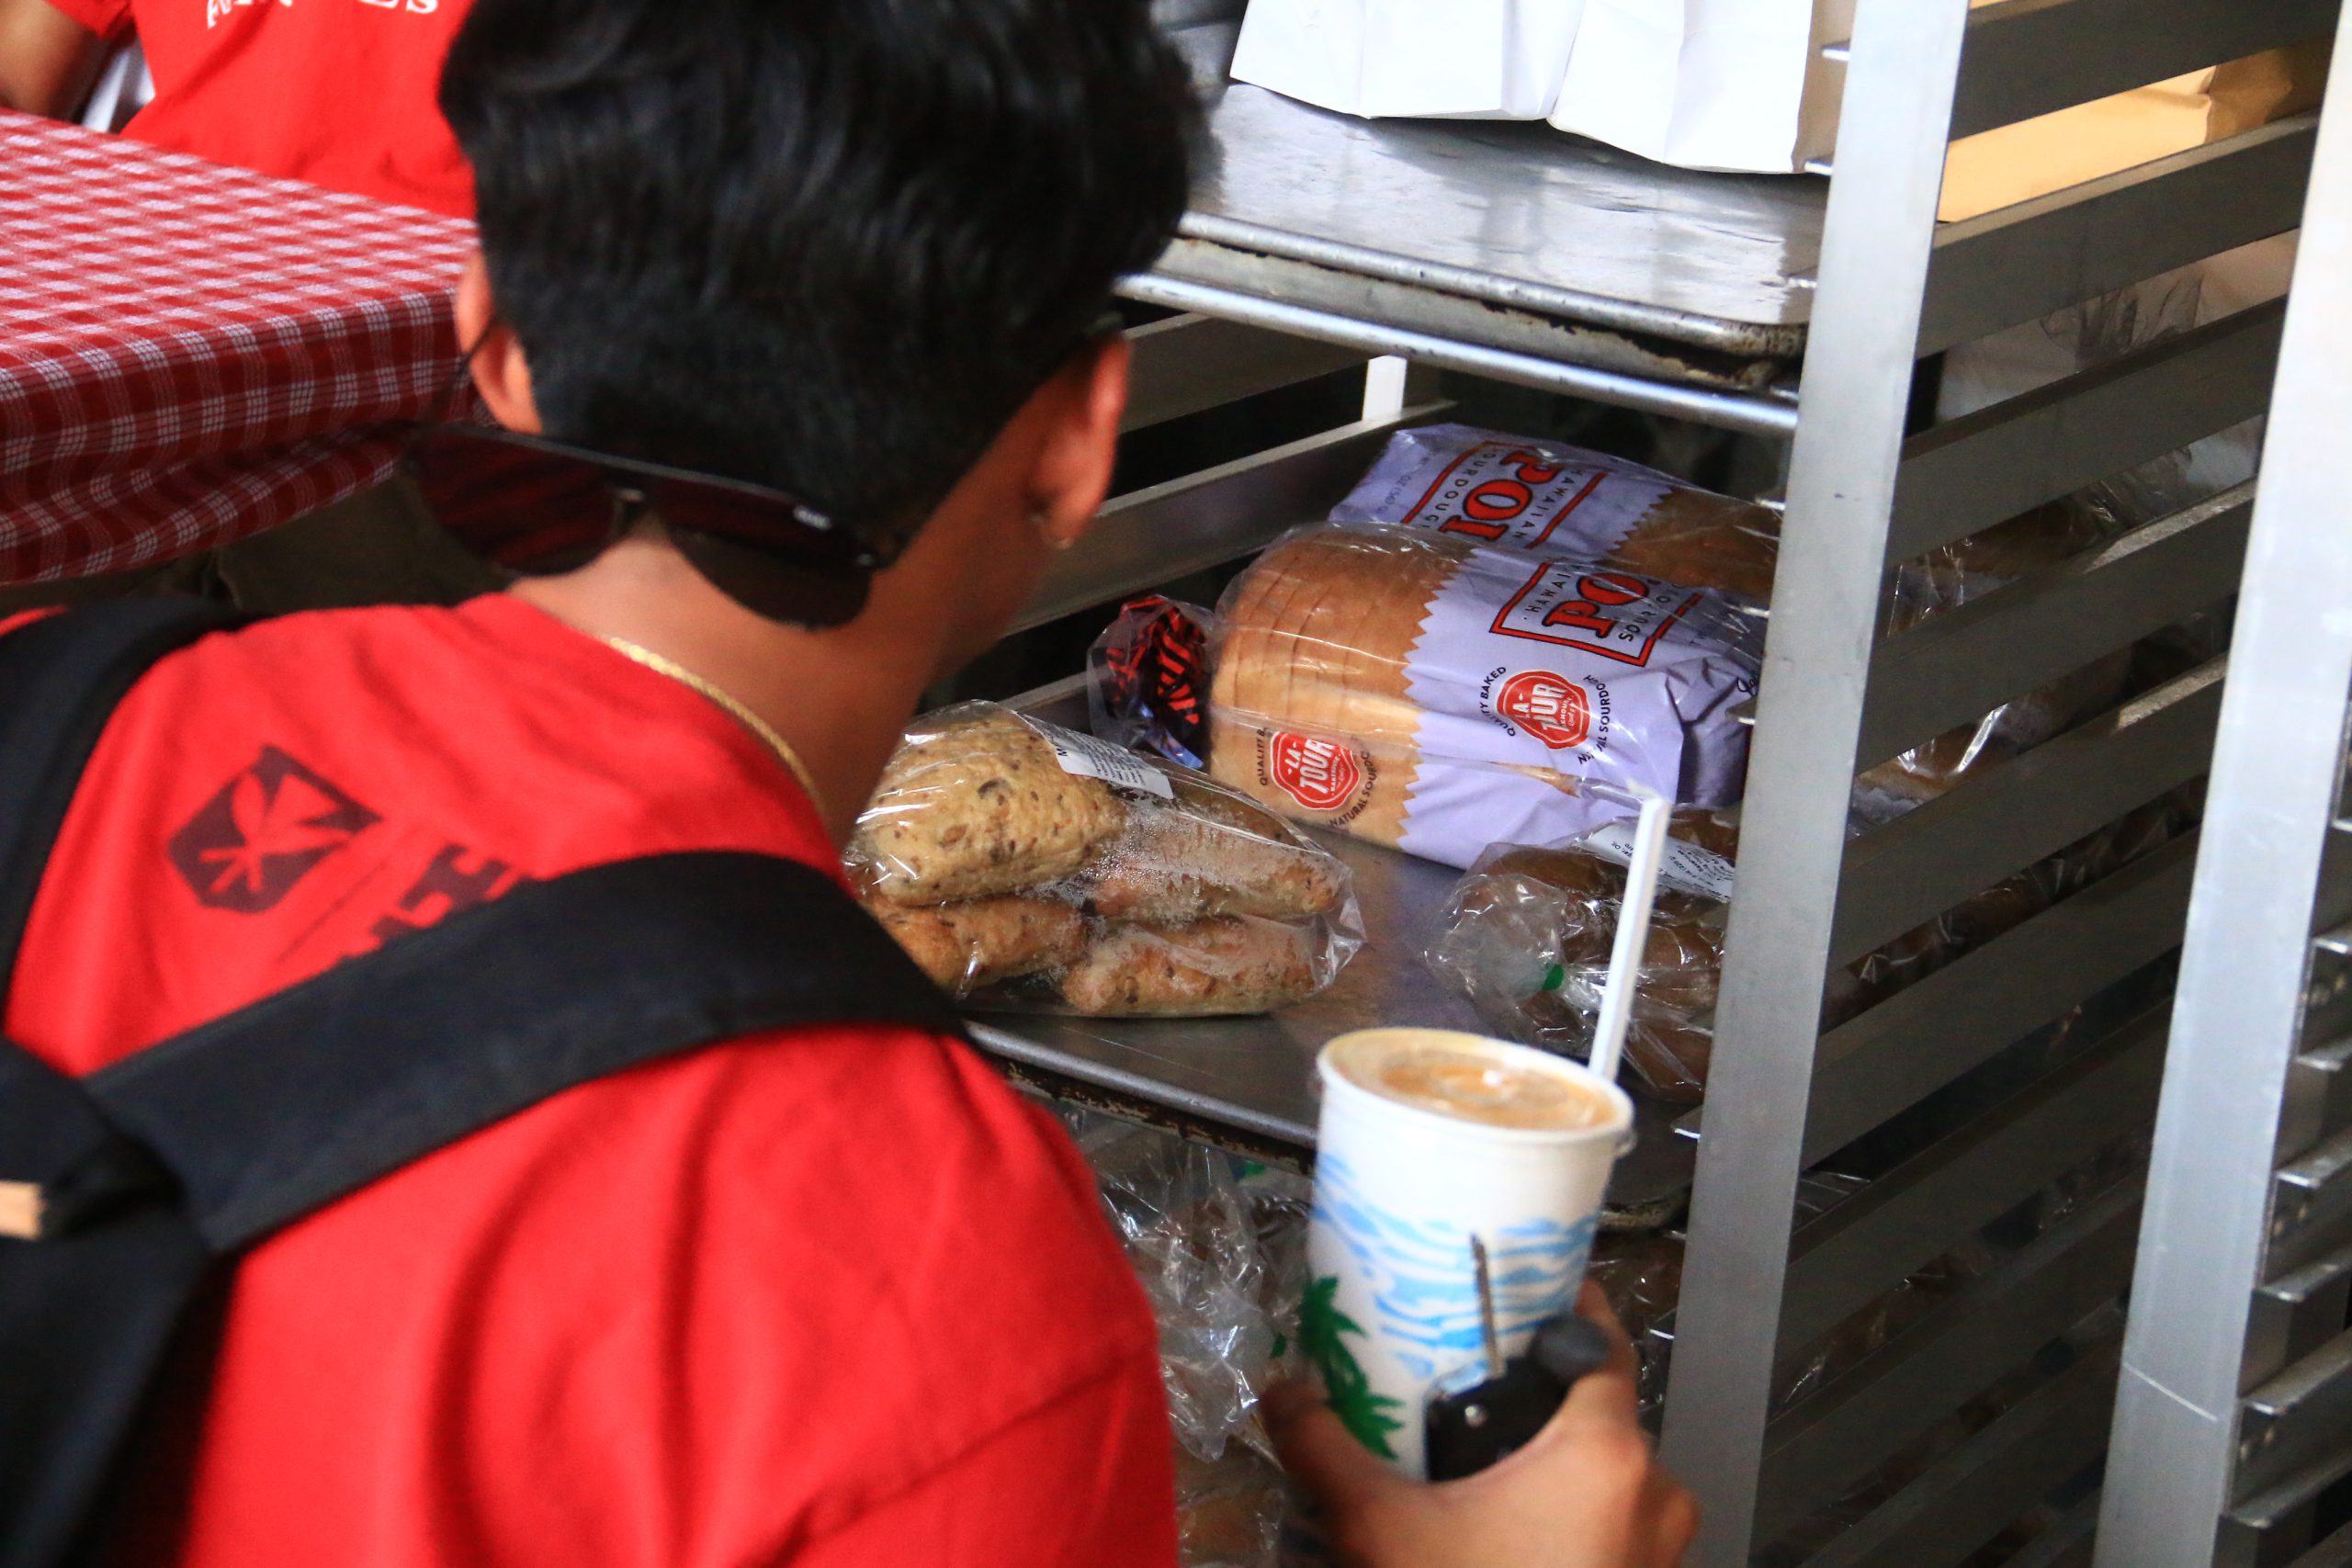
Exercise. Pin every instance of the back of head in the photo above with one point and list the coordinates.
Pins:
(825, 245)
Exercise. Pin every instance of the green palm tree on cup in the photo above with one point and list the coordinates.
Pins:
(1321, 1325)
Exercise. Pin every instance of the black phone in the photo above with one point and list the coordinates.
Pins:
(1479, 1414)
(1472, 1420)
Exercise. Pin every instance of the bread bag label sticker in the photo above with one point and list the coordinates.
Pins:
(1551, 708)
(1082, 756)
(1687, 868)
(1324, 775)
(1612, 615)
(1495, 489)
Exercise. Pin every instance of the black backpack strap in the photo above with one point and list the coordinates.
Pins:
(118, 1291)
(273, 1110)
(59, 679)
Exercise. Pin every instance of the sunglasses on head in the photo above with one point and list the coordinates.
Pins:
(535, 507)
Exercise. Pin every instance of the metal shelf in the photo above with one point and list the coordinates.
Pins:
(1250, 1082)
(1507, 249)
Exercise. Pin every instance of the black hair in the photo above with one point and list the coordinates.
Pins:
(825, 245)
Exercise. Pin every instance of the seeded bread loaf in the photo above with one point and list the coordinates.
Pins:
(1025, 865)
(981, 942)
(1227, 963)
(978, 808)
(1207, 854)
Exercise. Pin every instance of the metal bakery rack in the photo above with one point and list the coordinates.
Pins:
(2231, 1442)
(1513, 253)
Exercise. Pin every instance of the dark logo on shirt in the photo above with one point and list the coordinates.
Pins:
(263, 833)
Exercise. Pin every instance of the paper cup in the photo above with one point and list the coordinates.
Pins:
(1392, 1297)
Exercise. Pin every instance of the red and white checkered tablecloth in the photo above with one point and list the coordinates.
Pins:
(190, 354)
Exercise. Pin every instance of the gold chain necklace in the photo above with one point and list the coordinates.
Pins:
(726, 702)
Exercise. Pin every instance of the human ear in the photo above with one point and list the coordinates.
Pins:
(499, 374)
(1073, 469)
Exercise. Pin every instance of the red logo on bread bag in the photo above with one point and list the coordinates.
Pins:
(1551, 708)
(1320, 775)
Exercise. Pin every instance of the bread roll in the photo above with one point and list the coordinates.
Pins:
(1208, 854)
(977, 804)
(1229, 1510)
(983, 940)
(1229, 964)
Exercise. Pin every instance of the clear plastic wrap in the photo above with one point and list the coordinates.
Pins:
(1022, 865)
(1545, 498)
(1528, 935)
(1147, 682)
(1641, 1273)
(1642, 1276)
(1948, 577)
(2005, 366)
(1219, 1245)
(1425, 693)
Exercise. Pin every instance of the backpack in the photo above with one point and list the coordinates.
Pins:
(126, 1193)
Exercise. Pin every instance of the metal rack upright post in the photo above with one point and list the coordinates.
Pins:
(2230, 1422)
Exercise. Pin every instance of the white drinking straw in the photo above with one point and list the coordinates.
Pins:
(1632, 921)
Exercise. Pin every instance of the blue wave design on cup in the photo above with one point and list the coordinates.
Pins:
(1425, 1290)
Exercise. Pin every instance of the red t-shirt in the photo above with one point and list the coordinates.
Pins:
(339, 93)
(827, 1297)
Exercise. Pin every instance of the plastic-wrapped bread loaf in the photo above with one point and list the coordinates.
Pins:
(1417, 690)
(1528, 937)
(981, 942)
(1530, 931)
(1514, 493)
(1510, 491)
(1207, 854)
(1024, 865)
(978, 808)
(1227, 963)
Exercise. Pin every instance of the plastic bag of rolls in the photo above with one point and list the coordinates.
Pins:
(1528, 934)
(1219, 1245)
(1024, 865)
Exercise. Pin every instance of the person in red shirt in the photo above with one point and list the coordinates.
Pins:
(821, 1296)
(336, 92)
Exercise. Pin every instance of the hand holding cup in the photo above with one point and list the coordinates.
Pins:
(1587, 1493)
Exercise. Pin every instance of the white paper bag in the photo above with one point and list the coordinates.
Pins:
(1737, 85)
(1430, 59)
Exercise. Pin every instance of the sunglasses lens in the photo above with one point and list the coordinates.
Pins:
(797, 588)
(534, 509)
(529, 512)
